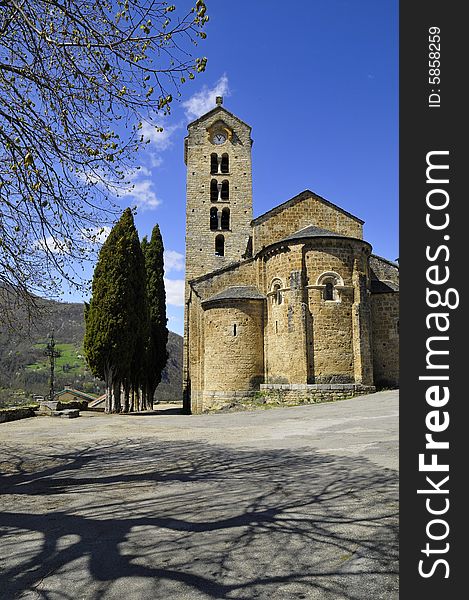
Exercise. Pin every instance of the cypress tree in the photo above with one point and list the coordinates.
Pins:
(156, 354)
(116, 318)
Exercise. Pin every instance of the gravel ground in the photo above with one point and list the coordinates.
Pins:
(278, 504)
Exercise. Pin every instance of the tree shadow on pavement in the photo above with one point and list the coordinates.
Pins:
(142, 519)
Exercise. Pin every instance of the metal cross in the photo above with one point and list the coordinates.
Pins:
(52, 353)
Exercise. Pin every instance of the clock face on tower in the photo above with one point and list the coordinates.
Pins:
(219, 138)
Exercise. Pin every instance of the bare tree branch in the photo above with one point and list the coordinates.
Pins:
(72, 73)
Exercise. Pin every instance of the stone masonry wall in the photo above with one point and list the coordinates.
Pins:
(302, 338)
(310, 211)
(309, 339)
(194, 348)
(311, 394)
(385, 318)
(242, 274)
(331, 358)
(285, 342)
(234, 353)
(194, 339)
(282, 395)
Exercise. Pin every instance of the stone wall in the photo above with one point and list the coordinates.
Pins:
(285, 338)
(234, 345)
(244, 273)
(311, 393)
(193, 359)
(282, 395)
(296, 337)
(233, 399)
(308, 338)
(295, 215)
(331, 344)
(194, 338)
(385, 319)
(16, 413)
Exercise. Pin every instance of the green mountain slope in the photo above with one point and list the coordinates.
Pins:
(24, 368)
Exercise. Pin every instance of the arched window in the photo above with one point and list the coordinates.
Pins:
(225, 218)
(329, 282)
(213, 163)
(225, 165)
(213, 218)
(219, 246)
(214, 190)
(225, 190)
(276, 290)
(328, 293)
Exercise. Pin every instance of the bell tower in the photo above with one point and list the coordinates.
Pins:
(217, 152)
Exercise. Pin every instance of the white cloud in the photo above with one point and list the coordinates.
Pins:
(174, 291)
(155, 159)
(142, 192)
(203, 101)
(173, 261)
(54, 245)
(89, 237)
(137, 183)
(160, 140)
(140, 188)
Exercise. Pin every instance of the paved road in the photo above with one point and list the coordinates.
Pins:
(274, 504)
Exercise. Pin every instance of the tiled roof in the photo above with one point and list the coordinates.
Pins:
(241, 292)
(77, 393)
(383, 287)
(312, 231)
(393, 263)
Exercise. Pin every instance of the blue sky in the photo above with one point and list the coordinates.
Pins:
(318, 82)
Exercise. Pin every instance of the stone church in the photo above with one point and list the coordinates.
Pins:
(291, 305)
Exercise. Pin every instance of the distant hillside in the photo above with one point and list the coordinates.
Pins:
(24, 369)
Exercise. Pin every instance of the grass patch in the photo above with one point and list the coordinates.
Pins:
(70, 361)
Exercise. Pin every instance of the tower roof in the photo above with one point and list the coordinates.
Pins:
(218, 109)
